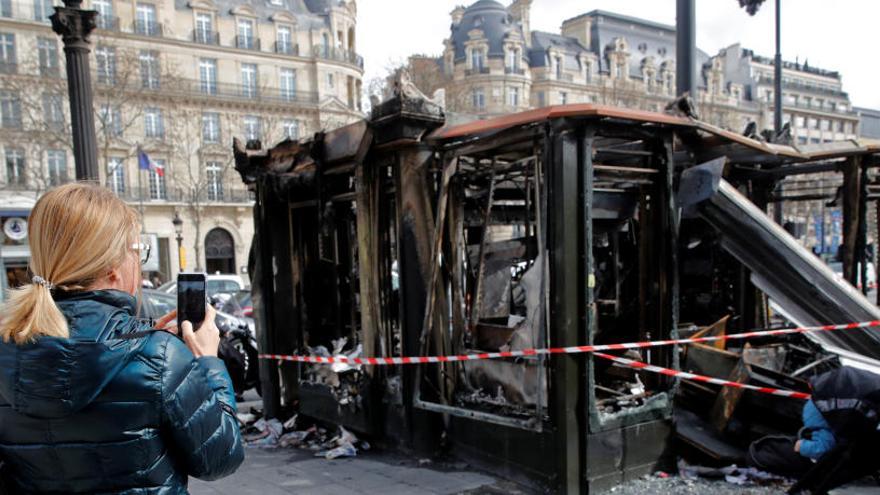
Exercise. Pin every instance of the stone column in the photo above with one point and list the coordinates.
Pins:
(74, 25)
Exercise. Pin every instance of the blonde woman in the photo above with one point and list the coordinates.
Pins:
(91, 398)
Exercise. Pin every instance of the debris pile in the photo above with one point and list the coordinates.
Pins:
(344, 380)
(294, 433)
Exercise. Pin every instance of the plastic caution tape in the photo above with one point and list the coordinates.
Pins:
(700, 378)
(388, 361)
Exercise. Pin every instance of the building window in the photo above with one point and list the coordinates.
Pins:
(7, 53)
(478, 99)
(56, 164)
(252, 127)
(283, 42)
(43, 9)
(157, 181)
(53, 111)
(291, 129)
(110, 118)
(541, 101)
(116, 174)
(145, 20)
(105, 61)
(825, 124)
(149, 69)
(15, 171)
(249, 80)
(477, 59)
(153, 125)
(214, 175)
(5, 8)
(245, 34)
(513, 60)
(840, 126)
(288, 84)
(513, 97)
(204, 29)
(563, 98)
(47, 49)
(10, 109)
(325, 45)
(208, 75)
(588, 72)
(330, 80)
(211, 127)
(105, 18)
(558, 65)
(799, 121)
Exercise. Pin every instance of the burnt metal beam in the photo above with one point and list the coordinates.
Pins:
(566, 287)
(852, 192)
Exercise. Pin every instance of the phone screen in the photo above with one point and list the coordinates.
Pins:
(191, 299)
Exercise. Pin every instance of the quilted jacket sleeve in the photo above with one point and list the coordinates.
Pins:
(199, 409)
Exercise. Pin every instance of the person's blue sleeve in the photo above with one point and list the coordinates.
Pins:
(822, 439)
(199, 408)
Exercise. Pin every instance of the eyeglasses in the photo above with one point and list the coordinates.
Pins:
(143, 250)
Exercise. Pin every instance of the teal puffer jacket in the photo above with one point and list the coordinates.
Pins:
(96, 413)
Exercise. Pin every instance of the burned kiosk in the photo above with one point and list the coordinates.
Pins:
(555, 227)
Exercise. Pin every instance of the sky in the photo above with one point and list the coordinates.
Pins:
(842, 38)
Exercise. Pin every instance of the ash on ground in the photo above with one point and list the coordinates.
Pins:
(676, 485)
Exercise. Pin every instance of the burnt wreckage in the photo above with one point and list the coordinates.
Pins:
(561, 226)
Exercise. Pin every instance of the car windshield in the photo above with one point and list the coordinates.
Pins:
(157, 304)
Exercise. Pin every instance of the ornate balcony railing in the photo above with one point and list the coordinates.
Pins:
(286, 48)
(148, 28)
(206, 37)
(338, 54)
(247, 43)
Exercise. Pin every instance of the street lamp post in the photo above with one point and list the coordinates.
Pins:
(74, 25)
(178, 229)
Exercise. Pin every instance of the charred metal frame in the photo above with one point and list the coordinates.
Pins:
(599, 211)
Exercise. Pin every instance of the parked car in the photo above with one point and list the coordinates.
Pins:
(216, 283)
(238, 347)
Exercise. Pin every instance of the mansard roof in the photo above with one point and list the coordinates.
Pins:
(308, 13)
(493, 19)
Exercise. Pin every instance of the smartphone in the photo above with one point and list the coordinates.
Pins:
(191, 298)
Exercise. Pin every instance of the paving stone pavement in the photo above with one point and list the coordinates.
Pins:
(283, 471)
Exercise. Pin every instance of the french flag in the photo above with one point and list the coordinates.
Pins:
(144, 163)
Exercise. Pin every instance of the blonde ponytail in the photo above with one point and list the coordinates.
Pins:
(77, 233)
(31, 311)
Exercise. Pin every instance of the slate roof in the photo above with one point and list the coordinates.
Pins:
(309, 13)
(493, 19)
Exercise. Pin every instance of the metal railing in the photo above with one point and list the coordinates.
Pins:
(173, 194)
(107, 23)
(338, 54)
(480, 70)
(247, 43)
(214, 89)
(286, 48)
(515, 70)
(206, 37)
(8, 67)
(50, 70)
(148, 28)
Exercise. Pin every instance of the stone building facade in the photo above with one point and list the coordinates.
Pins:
(177, 79)
(494, 63)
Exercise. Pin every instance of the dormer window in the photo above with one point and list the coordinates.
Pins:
(513, 58)
(558, 61)
(477, 59)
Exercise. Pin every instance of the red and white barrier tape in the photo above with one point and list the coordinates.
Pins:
(700, 378)
(387, 361)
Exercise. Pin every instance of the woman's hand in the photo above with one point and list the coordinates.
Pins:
(206, 340)
(165, 323)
